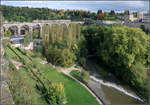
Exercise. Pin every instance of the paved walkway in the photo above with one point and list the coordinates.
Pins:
(67, 72)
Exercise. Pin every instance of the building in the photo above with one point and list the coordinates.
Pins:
(146, 18)
(141, 17)
(17, 40)
(132, 18)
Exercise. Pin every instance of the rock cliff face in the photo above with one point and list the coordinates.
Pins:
(1, 35)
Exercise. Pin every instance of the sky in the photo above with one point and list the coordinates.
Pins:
(92, 6)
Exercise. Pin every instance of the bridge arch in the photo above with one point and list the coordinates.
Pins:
(37, 30)
(13, 29)
(4, 29)
(23, 29)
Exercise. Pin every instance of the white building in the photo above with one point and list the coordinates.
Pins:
(143, 17)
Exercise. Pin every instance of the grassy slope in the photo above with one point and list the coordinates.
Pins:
(28, 78)
(76, 74)
(76, 94)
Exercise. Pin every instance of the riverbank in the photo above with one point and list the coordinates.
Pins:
(107, 80)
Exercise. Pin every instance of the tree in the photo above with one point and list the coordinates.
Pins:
(85, 76)
(126, 12)
(135, 14)
(56, 94)
(61, 57)
(106, 14)
(100, 16)
(35, 34)
(26, 38)
(99, 11)
(123, 48)
(112, 13)
(8, 33)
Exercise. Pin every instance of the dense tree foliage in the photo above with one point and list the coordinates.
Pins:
(60, 43)
(26, 38)
(35, 34)
(28, 14)
(143, 28)
(91, 38)
(56, 94)
(124, 50)
(23, 14)
(7, 33)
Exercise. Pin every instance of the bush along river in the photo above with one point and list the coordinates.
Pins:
(108, 88)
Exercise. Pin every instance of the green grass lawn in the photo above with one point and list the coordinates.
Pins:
(10, 53)
(76, 74)
(75, 93)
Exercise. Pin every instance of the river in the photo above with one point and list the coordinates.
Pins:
(110, 89)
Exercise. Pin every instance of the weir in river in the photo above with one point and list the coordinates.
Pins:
(110, 90)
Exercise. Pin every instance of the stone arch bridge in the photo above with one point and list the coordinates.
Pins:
(20, 27)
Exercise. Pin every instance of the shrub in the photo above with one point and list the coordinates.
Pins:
(139, 79)
(67, 58)
(18, 87)
(29, 53)
(38, 54)
(76, 74)
(85, 76)
(39, 49)
(82, 62)
(6, 42)
(56, 94)
(26, 38)
(62, 57)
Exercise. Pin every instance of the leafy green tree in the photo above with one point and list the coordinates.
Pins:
(126, 12)
(62, 57)
(91, 38)
(129, 44)
(35, 34)
(135, 14)
(8, 33)
(106, 14)
(112, 13)
(56, 94)
(85, 76)
(99, 11)
(125, 50)
(26, 38)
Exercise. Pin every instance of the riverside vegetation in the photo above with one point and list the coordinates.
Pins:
(36, 83)
(122, 49)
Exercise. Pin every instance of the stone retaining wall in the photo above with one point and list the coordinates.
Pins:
(5, 95)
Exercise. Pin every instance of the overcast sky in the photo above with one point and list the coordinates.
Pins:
(84, 5)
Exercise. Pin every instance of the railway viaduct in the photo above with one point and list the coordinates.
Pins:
(19, 28)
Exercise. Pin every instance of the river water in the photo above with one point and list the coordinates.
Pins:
(111, 90)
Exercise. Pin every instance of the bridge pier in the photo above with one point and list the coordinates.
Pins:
(19, 30)
(31, 32)
(40, 32)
